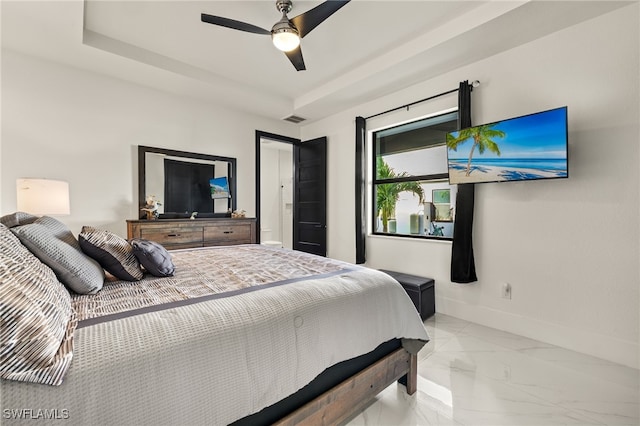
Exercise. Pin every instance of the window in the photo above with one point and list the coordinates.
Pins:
(411, 193)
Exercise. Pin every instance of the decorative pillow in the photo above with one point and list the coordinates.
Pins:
(114, 253)
(155, 258)
(36, 337)
(59, 230)
(52, 243)
(17, 219)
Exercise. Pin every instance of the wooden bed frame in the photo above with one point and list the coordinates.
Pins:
(342, 402)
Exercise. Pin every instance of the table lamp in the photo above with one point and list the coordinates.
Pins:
(43, 196)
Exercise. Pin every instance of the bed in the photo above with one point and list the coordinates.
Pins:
(237, 335)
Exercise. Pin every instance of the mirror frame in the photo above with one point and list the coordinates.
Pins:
(142, 168)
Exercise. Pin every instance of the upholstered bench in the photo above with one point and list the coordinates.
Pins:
(419, 289)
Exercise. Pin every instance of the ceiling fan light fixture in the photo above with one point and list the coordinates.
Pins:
(285, 40)
(286, 33)
(285, 36)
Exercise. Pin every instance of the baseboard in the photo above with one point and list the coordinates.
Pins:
(601, 346)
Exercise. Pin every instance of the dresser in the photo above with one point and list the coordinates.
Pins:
(187, 233)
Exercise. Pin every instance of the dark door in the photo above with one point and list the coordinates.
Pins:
(310, 196)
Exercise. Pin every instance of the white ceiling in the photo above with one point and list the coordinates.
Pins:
(365, 50)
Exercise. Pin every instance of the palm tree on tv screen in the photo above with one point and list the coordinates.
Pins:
(483, 138)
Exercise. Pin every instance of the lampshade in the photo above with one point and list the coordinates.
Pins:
(43, 196)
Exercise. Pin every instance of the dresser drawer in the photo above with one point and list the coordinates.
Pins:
(185, 233)
(228, 234)
(174, 238)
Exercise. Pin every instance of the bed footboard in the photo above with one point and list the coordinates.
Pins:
(340, 403)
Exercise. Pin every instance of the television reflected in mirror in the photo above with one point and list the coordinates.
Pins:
(183, 183)
(219, 187)
(530, 147)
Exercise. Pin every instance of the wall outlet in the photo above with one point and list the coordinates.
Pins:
(506, 291)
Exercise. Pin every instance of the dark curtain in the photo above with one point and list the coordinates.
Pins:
(361, 220)
(463, 267)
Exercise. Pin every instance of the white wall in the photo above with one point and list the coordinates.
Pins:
(64, 123)
(269, 193)
(276, 209)
(569, 248)
(286, 196)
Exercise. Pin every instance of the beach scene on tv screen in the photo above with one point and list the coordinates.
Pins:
(219, 187)
(522, 148)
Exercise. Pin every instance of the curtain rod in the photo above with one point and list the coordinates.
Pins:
(476, 83)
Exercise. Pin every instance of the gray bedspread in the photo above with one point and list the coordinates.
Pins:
(216, 357)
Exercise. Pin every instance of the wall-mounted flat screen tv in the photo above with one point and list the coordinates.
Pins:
(529, 147)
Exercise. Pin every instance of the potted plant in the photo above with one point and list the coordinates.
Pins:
(388, 194)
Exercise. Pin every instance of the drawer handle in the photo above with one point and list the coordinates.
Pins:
(173, 235)
(228, 232)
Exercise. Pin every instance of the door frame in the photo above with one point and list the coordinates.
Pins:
(277, 138)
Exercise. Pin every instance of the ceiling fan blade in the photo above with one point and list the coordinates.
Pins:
(295, 56)
(233, 24)
(312, 18)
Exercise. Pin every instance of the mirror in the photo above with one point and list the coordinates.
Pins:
(186, 182)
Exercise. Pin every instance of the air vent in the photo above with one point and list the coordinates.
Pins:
(294, 119)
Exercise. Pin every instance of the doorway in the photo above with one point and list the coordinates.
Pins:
(275, 190)
(291, 192)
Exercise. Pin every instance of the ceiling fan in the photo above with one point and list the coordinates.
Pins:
(286, 33)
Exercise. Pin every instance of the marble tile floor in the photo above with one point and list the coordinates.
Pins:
(473, 375)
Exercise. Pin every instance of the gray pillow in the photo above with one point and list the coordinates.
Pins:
(37, 319)
(114, 253)
(52, 243)
(154, 257)
(17, 219)
(59, 230)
